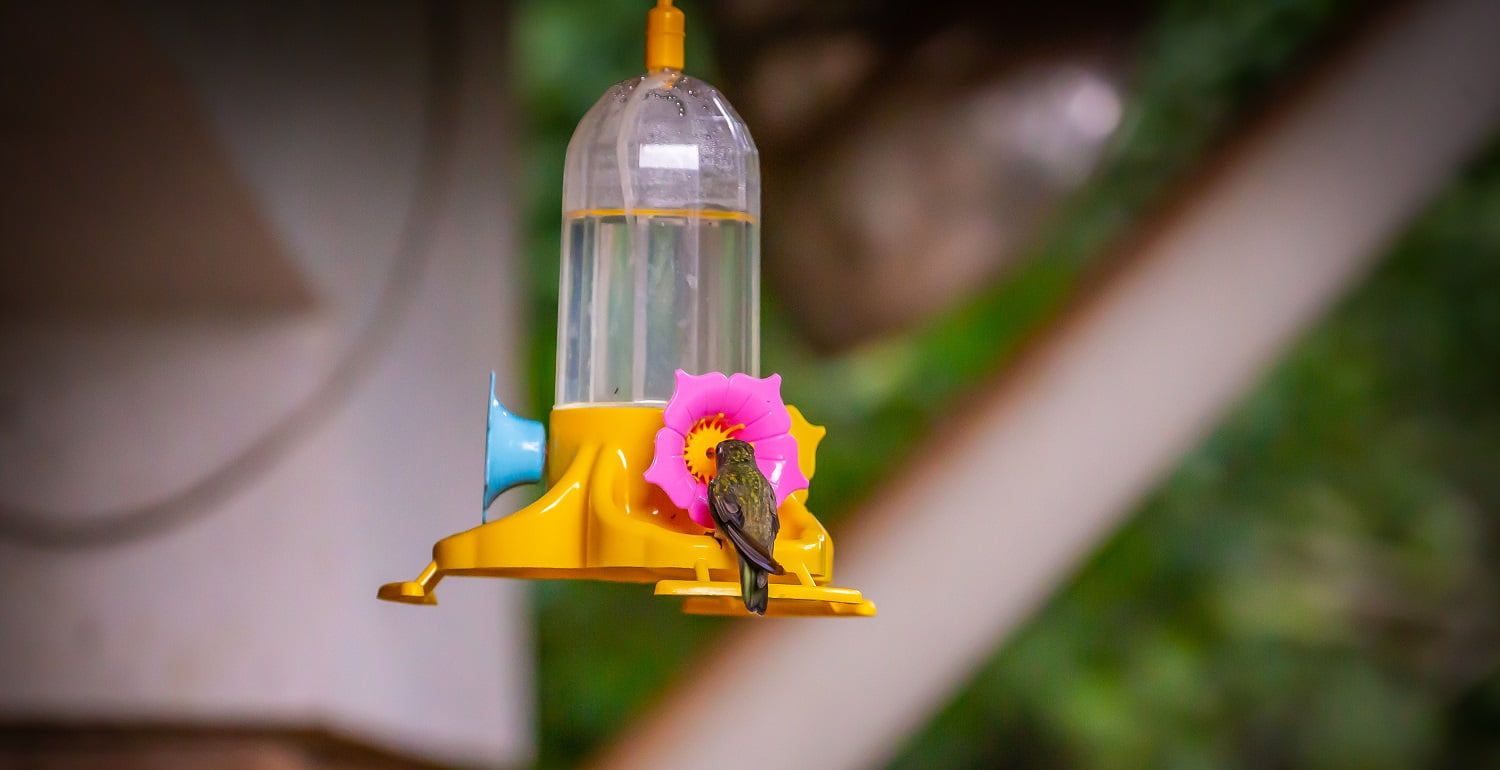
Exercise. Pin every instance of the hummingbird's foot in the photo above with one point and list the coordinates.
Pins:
(714, 533)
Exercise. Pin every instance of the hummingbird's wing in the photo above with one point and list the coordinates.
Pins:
(724, 506)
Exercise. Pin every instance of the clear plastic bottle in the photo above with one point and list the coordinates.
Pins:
(661, 242)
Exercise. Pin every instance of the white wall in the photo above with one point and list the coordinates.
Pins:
(262, 610)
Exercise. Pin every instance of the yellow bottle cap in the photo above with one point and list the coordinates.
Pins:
(665, 31)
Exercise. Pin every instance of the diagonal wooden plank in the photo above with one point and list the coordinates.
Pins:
(964, 546)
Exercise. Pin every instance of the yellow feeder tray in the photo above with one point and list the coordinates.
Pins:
(802, 599)
(600, 520)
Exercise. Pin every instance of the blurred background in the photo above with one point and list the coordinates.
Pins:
(1158, 344)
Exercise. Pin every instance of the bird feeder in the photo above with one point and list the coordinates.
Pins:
(660, 278)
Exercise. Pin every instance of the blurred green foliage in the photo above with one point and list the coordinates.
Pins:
(1315, 586)
(1259, 610)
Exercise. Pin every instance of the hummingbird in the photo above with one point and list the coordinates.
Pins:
(743, 506)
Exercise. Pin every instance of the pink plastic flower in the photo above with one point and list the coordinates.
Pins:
(708, 408)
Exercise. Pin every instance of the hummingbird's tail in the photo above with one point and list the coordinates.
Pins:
(754, 587)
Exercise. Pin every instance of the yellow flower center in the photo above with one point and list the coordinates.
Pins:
(699, 443)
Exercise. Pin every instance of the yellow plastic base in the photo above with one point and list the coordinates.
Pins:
(803, 598)
(600, 520)
(779, 609)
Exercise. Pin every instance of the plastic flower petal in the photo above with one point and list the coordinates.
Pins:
(669, 444)
(708, 408)
(689, 396)
(777, 458)
(763, 413)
